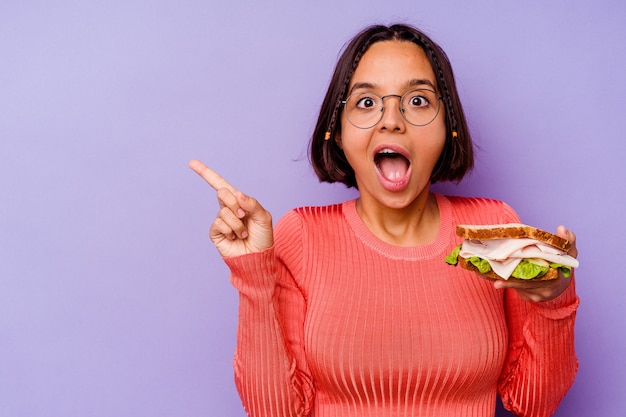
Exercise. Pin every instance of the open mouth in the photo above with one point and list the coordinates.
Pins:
(392, 165)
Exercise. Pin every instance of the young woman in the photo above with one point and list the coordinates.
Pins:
(350, 309)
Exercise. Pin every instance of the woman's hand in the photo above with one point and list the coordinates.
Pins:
(242, 225)
(543, 290)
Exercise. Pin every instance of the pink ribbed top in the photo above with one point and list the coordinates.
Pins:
(335, 322)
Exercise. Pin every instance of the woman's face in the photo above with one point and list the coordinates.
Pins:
(394, 159)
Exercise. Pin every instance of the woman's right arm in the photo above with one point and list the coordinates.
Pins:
(271, 373)
(270, 369)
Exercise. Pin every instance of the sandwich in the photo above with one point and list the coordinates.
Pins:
(512, 252)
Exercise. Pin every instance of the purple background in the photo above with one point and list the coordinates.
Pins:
(113, 301)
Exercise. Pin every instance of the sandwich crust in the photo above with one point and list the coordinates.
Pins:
(511, 231)
(551, 274)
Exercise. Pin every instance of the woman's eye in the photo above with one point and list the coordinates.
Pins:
(366, 103)
(418, 101)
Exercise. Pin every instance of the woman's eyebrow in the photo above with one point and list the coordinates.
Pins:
(357, 86)
(415, 82)
(420, 82)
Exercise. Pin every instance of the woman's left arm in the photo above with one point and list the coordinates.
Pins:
(541, 361)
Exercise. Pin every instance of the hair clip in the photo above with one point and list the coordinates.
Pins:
(454, 134)
(327, 135)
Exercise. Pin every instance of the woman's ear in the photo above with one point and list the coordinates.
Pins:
(338, 140)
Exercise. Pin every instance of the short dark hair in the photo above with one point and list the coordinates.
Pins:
(327, 158)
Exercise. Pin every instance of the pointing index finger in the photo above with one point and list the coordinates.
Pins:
(214, 179)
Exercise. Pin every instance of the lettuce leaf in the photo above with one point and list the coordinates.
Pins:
(453, 257)
(565, 270)
(480, 263)
(527, 269)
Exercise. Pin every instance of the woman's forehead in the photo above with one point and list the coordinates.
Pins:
(393, 64)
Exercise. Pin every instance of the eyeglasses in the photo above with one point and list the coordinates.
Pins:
(418, 107)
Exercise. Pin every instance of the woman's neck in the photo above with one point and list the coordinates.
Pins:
(414, 225)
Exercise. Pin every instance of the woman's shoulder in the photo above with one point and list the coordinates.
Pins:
(462, 201)
(315, 212)
(311, 216)
(481, 210)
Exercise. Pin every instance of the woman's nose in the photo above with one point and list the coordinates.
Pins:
(392, 118)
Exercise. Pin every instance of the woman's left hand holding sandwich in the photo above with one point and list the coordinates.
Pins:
(538, 291)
